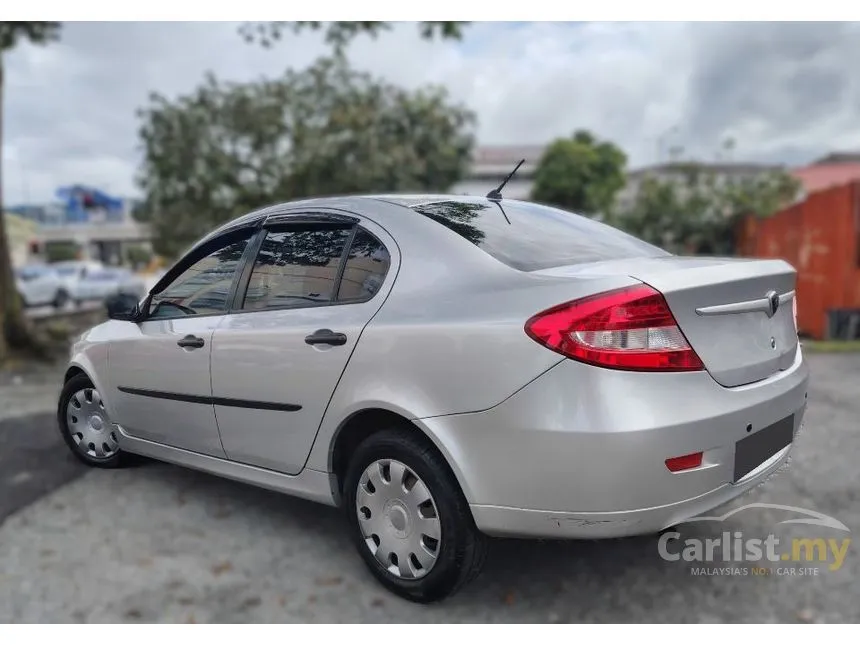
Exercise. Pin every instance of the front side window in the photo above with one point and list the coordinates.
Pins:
(296, 267)
(204, 287)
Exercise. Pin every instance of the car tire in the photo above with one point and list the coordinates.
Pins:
(60, 299)
(460, 550)
(89, 435)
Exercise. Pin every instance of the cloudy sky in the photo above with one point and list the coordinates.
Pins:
(786, 92)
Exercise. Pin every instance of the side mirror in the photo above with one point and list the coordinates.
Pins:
(122, 306)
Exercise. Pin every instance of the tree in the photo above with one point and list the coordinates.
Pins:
(698, 213)
(339, 34)
(228, 148)
(14, 330)
(580, 174)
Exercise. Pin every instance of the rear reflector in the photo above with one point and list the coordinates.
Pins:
(628, 329)
(677, 464)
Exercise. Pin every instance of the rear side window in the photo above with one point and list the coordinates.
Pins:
(296, 267)
(365, 268)
(531, 237)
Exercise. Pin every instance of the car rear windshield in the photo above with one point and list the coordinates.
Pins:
(531, 237)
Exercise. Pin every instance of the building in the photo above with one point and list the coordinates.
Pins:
(491, 164)
(21, 233)
(97, 225)
(835, 169)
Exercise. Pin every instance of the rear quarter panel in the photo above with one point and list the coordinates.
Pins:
(450, 337)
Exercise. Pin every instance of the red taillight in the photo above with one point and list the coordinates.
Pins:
(629, 329)
(677, 464)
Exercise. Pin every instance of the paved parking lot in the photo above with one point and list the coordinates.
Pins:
(159, 543)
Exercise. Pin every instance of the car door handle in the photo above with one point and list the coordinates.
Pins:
(191, 342)
(326, 337)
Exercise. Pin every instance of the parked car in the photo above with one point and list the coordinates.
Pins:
(38, 285)
(72, 272)
(450, 368)
(104, 282)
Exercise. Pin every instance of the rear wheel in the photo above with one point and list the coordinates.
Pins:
(409, 519)
(86, 426)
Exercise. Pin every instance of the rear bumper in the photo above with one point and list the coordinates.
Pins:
(520, 522)
(581, 450)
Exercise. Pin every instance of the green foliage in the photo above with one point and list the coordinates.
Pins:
(696, 213)
(39, 33)
(580, 173)
(339, 34)
(228, 148)
(138, 255)
(61, 251)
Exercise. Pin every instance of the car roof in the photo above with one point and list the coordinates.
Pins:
(348, 203)
(392, 211)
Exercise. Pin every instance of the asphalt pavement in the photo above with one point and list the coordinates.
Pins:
(160, 543)
(33, 461)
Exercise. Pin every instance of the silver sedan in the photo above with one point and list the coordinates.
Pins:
(447, 368)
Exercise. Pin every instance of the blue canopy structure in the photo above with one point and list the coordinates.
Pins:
(80, 199)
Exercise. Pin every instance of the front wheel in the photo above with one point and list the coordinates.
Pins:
(86, 426)
(409, 519)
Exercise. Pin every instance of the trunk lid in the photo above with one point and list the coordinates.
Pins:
(726, 307)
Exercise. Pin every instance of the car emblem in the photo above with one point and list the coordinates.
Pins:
(772, 342)
(773, 303)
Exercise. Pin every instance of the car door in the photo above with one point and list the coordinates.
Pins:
(159, 368)
(277, 359)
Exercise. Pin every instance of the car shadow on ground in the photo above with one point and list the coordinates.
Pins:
(573, 580)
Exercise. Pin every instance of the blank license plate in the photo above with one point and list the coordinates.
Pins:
(752, 451)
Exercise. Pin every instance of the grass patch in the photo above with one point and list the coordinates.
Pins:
(57, 330)
(831, 346)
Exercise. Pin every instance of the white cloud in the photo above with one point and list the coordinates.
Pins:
(787, 92)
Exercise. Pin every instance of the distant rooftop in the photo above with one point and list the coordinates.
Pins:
(492, 155)
(837, 158)
(821, 176)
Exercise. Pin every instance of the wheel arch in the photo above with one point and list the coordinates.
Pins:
(72, 372)
(83, 364)
(361, 424)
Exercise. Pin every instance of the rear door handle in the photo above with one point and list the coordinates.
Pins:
(326, 337)
(191, 342)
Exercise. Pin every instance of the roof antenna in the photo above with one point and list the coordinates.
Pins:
(496, 194)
